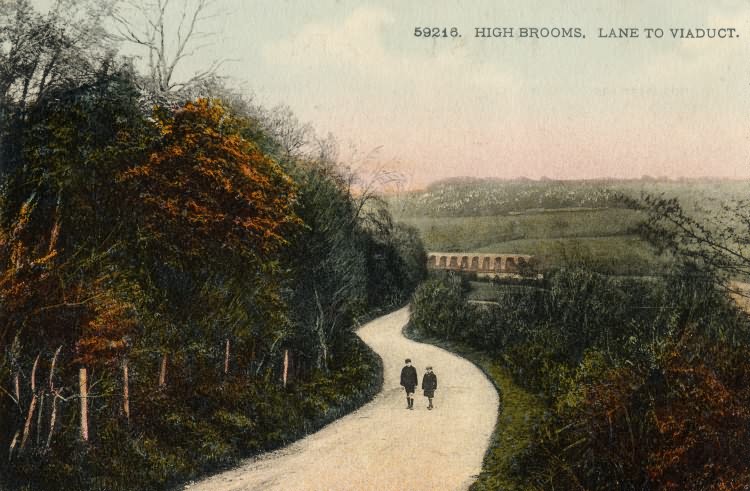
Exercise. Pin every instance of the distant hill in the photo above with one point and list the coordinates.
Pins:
(471, 196)
(557, 221)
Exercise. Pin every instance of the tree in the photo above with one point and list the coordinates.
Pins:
(148, 24)
(40, 53)
(213, 213)
(396, 258)
(292, 137)
(327, 262)
(439, 306)
(205, 188)
(62, 199)
(718, 244)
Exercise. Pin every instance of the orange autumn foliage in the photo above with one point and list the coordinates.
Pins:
(703, 424)
(106, 333)
(27, 283)
(611, 421)
(682, 425)
(44, 306)
(205, 184)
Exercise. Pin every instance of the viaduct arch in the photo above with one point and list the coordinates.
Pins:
(477, 262)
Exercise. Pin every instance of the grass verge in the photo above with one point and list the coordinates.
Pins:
(519, 411)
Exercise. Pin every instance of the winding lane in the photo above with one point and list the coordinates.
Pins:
(382, 446)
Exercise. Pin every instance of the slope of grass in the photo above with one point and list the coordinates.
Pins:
(472, 233)
(617, 254)
(600, 239)
(543, 217)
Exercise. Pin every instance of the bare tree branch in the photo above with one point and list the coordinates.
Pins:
(167, 46)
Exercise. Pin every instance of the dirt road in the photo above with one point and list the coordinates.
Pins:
(383, 446)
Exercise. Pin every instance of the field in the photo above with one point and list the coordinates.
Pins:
(561, 223)
(602, 239)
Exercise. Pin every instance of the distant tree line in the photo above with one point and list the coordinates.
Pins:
(471, 197)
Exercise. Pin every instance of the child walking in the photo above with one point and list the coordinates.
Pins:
(409, 382)
(429, 385)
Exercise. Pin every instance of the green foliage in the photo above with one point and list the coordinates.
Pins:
(211, 428)
(626, 367)
(133, 234)
(344, 261)
(397, 262)
(439, 308)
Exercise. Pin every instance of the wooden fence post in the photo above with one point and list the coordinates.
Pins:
(226, 358)
(18, 391)
(286, 366)
(83, 383)
(125, 390)
(163, 371)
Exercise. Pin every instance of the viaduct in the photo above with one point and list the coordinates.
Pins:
(477, 262)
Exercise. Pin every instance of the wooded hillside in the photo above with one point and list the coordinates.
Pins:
(180, 269)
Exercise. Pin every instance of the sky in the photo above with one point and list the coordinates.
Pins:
(500, 107)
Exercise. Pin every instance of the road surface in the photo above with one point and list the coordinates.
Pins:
(383, 446)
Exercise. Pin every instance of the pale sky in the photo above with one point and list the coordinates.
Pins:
(502, 107)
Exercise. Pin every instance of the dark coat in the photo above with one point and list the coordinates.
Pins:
(429, 384)
(409, 378)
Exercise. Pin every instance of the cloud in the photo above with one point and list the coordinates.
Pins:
(355, 41)
(512, 107)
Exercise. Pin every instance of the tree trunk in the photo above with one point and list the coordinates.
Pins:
(54, 394)
(163, 371)
(52, 419)
(39, 419)
(226, 358)
(125, 391)
(52, 370)
(13, 445)
(322, 358)
(17, 384)
(32, 406)
(286, 366)
(322, 354)
(83, 383)
(27, 425)
(33, 374)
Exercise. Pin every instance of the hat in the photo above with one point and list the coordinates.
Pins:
(428, 368)
(408, 360)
